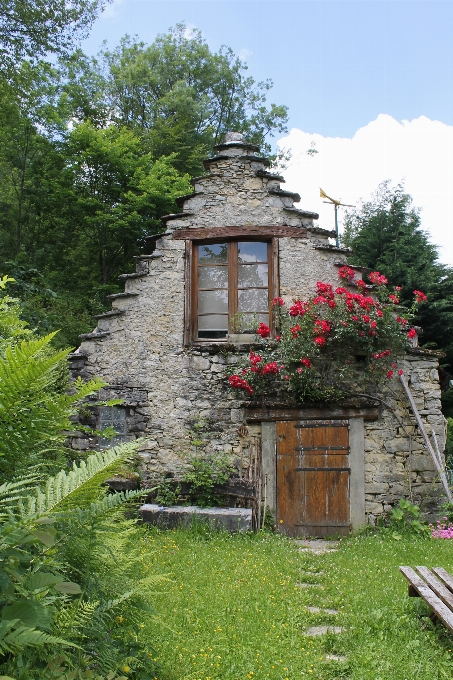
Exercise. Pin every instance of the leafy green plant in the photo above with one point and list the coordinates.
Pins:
(168, 493)
(206, 471)
(406, 517)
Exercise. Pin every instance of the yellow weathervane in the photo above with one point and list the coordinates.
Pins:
(336, 204)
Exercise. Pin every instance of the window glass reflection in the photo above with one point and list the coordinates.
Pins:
(252, 251)
(214, 253)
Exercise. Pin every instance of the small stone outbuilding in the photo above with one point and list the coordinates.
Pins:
(238, 242)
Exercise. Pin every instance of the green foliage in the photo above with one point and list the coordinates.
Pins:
(30, 29)
(405, 517)
(207, 470)
(168, 493)
(94, 151)
(55, 545)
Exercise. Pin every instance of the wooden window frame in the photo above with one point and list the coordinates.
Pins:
(191, 285)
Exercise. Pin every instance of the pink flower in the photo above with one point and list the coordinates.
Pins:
(263, 330)
(400, 372)
(379, 313)
(360, 284)
(398, 287)
(299, 370)
(389, 374)
(394, 299)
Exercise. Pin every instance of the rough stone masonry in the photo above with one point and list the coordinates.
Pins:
(167, 382)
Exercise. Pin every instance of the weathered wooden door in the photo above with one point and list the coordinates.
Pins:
(313, 478)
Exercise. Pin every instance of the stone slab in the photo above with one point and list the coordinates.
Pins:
(227, 519)
(314, 631)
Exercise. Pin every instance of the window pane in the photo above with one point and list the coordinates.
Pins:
(213, 301)
(253, 300)
(248, 323)
(252, 275)
(213, 277)
(213, 253)
(213, 322)
(254, 251)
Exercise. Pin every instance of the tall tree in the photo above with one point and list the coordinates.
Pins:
(30, 29)
(181, 96)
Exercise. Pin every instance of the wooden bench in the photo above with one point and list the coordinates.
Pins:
(435, 587)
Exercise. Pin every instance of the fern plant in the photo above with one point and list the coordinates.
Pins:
(37, 606)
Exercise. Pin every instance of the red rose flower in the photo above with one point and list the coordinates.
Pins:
(346, 273)
(278, 301)
(306, 363)
(389, 374)
(412, 333)
(320, 340)
(378, 279)
(419, 296)
(263, 330)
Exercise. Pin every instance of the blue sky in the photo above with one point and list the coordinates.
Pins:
(369, 81)
(336, 64)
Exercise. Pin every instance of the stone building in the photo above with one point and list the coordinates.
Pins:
(238, 242)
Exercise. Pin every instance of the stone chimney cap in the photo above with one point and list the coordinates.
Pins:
(235, 137)
(235, 141)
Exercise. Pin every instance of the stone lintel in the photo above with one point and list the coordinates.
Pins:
(197, 233)
(260, 414)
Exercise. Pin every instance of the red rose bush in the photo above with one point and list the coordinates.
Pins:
(336, 344)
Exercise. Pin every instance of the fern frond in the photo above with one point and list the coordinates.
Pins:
(60, 488)
(23, 636)
(107, 504)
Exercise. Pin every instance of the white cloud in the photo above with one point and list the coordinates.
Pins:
(245, 53)
(111, 10)
(420, 152)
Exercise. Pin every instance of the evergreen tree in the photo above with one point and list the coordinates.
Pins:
(385, 234)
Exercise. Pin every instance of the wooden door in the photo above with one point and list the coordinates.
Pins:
(313, 478)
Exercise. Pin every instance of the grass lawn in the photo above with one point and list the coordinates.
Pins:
(234, 609)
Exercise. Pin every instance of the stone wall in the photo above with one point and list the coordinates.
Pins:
(138, 347)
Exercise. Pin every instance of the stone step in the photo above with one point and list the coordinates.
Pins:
(318, 610)
(228, 519)
(314, 631)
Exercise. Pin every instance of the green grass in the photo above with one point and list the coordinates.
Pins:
(233, 610)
